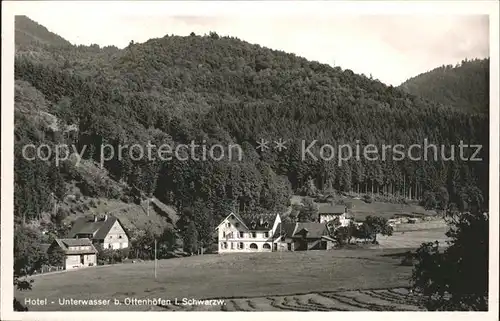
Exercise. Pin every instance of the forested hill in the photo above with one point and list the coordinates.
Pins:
(224, 90)
(29, 32)
(464, 86)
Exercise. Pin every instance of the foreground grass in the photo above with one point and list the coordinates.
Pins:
(225, 276)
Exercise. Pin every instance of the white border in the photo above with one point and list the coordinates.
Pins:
(204, 8)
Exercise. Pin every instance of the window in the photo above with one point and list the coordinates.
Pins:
(240, 246)
(111, 236)
(266, 246)
(237, 224)
(223, 234)
(242, 235)
(254, 235)
(228, 224)
(253, 246)
(266, 234)
(224, 245)
(120, 237)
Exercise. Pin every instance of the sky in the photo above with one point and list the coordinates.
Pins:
(391, 48)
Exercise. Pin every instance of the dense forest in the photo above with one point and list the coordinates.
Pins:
(464, 86)
(222, 90)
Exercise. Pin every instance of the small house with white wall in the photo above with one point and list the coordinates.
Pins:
(105, 230)
(78, 253)
(330, 212)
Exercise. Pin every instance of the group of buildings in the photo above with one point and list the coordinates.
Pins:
(236, 233)
(267, 233)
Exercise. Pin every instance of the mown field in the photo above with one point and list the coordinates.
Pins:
(412, 235)
(265, 281)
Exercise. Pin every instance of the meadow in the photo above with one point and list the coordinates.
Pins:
(259, 277)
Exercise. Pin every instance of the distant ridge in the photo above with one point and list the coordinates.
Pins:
(29, 32)
(464, 86)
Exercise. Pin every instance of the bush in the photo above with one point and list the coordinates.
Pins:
(93, 203)
(125, 198)
(367, 198)
(88, 188)
(60, 216)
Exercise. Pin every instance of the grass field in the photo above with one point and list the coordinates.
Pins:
(412, 239)
(360, 209)
(267, 281)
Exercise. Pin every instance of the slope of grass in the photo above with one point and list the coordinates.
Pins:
(225, 276)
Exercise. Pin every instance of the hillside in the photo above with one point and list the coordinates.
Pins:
(464, 86)
(29, 32)
(222, 90)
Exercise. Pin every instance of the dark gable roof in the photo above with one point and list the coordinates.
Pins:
(238, 217)
(296, 230)
(86, 225)
(258, 221)
(286, 229)
(332, 209)
(314, 230)
(65, 245)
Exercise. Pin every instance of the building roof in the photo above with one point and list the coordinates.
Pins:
(286, 229)
(66, 244)
(307, 230)
(312, 230)
(256, 222)
(87, 225)
(332, 209)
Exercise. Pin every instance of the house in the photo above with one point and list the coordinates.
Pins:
(247, 233)
(330, 212)
(105, 230)
(77, 252)
(303, 236)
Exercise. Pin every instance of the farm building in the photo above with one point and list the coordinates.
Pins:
(328, 213)
(303, 237)
(77, 252)
(105, 230)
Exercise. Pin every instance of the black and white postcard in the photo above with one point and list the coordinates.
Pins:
(249, 156)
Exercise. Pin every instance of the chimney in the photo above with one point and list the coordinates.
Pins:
(105, 217)
(95, 218)
(261, 221)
